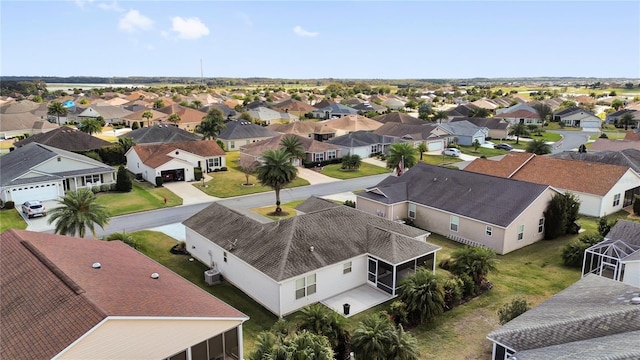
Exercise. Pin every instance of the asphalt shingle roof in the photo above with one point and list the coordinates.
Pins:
(242, 129)
(274, 143)
(357, 139)
(154, 155)
(627, 157)
(67, 139)
(398, 117)
(160, 134)
(403, 130)
(489, 123)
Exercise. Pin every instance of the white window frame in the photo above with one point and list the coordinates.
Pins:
(616, 199)
(305, 286)
(541, 225)
(454, 221)
(412, 211)
(488, 230)
(331, 154)
(520, 232)
(232, 144)
(317, 157)
(347, 267)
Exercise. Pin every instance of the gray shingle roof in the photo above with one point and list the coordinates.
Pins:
(489, 123)
(403, 130)
(587, 313)
(480, 197)
(625, 230)
(67, 139)
(337, 109)
(461, 128)
(627, 157)
(315, 203)
(336, 234)
(398, 117)
(160, 134)
(243, 129)
(357, 139)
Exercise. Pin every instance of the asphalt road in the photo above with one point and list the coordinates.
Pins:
(156, 218)
(570, 140)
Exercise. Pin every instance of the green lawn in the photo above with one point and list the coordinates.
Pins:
(230, 183)
(439, 159)
(288, 208)
(11, 219)
(142, 197)
(366, 169)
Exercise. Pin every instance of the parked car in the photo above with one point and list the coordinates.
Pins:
(451, 152)
(33, 208)
(503, 146)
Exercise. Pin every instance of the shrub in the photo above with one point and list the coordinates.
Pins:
(604, 226)
(573, 252)
(95, 189)
(112, 187)
(512, 310)
(636, 205)
(135, 125)
(9, 205)
(224, 168)
(452, 292)
(468, 286)
(159, 181)
(603, 136)
(197, 173)
(399, 313)
(105, 187)
(445, 264)
(123, 180)
(93, 155)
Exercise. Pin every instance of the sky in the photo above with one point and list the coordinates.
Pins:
(320, 39)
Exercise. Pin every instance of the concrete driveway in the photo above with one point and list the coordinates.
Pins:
(189, 193)
(314, 177)
(39, 223)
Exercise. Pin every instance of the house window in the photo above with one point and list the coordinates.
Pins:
(331, 154)
(412, 211)
(91, 179)
(488, 230)
(213, 162)
(453, 223)
(520, 232)
(541, 225)
(374, 148)
(305, 286)
(346, 268)
(318, 157)
(616, 199)
(232, 144)
(224, 256)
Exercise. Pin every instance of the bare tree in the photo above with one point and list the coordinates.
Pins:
(248, 166)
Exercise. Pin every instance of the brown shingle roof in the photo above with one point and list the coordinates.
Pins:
(398, 117)
(187, 115)
(155, 155)
(353, 122)
(66, 139)
(522, 114)
(614, 145)
(309, 145)
(304, 128)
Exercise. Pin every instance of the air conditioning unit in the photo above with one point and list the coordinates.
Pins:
(212, 277)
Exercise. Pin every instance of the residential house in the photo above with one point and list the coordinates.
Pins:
(614, 117)
(306, 128)
(175, 161)
(464, 207)
(415, 134)
(189, 118)
(520, 113)
(601, 188)
(156, 117)
(267, 116)
(594, 318)
(65, 138)
(626, 157)
(160, 134)
(228, 112)
(393, 103)
(333, 111)
(465, 110)
(577, 117)
(616, 145)
(516, 107)
(498, 128)
(398, 117)
(617, 257)
(350, 123)
(464, 132)
(362, 143)
(485, 104)
(242, 132)
(19, 124)
(69, 298)
(111, 114)
(294, 107)
(40, 172)
(314, 150)
(291, 263)
(18, 107)
(367, 106)
(323, 103)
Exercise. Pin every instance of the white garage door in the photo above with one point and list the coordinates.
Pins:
(434, 145)
(42, 192)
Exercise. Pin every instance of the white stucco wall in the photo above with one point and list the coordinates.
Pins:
(632, 273)
(65, 164)
(628, 181)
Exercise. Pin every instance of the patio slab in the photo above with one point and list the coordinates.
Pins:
(362, 298)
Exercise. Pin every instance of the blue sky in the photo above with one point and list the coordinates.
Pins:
(321, 39)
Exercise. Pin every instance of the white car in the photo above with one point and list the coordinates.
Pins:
(451, 152)
(33, 208)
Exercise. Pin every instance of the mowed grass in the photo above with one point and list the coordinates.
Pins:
(289, 209)
(156, 245)
(11, 219)
(143, 197)
(224, 184)
(439, 159)
(366, 169)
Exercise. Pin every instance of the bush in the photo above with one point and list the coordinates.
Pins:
(636, 205)
(452, 292)
(603, 136)
(95, 189)
(468, 285)
(93, 155)
(9, 205)
(135, 125)
(159, 181)
(313, 164)
(445, 264)
(224, 168)
(512, 310)
(197, 173)
(399, 313)
(350, 203)
(112, 187)
(573, 252)
(105, 187)
(123, 180)
(604, 226)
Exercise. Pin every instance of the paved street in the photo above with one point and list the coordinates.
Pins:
(570, 140)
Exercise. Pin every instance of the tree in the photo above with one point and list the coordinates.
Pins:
(423, 295)
(424, 110)
(404, 346)
(78, 211)
(617, 104)
(321, 320)
(351, 162)
(404, 152)
(560, 215)
(293, 147)
(304, 346)
(476, 145)
(174, 118)
(373, 337)
(479, 112)
(411, 104)
(197, 104)
(475, 262)
(544, 112)
(90, 126)
(248, 166)
(123, 180)
(439, 116)
(126, 143)
(627, 120)
(147, 115)
(573, 252)
(517, 130)
(276, 172)
(538, 147)
(57, 109)
(212, 124)
(422, 148)
(159, 103)
(512, 310)
(135, 126)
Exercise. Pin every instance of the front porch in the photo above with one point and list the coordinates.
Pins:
(359, 299)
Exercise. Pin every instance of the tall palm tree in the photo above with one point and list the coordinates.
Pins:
(212, 124)
(321, 320)
(538, 147)
(405, 346)
(423, 294)
(90, 126)
(293, 147)
(174, 118)
(422, 148)
(404, 152)
(476, 262)
(197, 104)
(519, 129)
(626, 120)
(57, 109)
(373, 337)
(147, 115)
(439, 116)
(276, 172)
(78, 211)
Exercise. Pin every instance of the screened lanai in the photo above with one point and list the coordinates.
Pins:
(604, 258)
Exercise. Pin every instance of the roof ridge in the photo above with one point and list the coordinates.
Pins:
(288, 244)
(52, 267)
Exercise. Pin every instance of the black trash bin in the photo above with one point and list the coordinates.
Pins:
(346, 308)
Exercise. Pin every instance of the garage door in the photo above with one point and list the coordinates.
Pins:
(42, 192)
(434, 145)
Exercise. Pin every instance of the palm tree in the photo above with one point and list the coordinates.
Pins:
(90, 126)
(57, 109)
(212, 124)
(276, 172)
(321, 320)
(544, 112)
(303, 345)
(293, 147)
(422, 148)
(197, 104)
(479, 112)
(423, 294)
(538, 147)
(78, 210)
(626, 120)
(373, 337)
(517, 130)
(439, 116)
(405, 346)
(174, 118)
(147, 115)
(159, 103)
(475, 262)
(126, 143)
(404, 152)
(351, 162)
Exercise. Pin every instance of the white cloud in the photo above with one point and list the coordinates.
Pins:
(298, 30)
(82, 3)
(133, 21)
(112, 6)
(191, 28)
